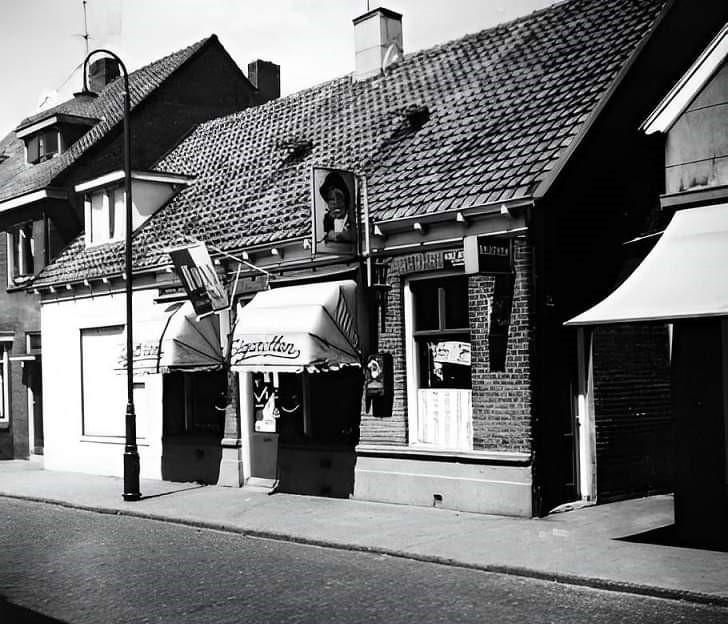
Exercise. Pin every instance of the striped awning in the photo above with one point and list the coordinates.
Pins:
(309, 327)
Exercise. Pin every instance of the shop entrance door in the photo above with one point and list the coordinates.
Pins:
(264, 428)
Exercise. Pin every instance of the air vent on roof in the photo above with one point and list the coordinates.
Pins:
(295, 147)
(417, 115)
(3, 157)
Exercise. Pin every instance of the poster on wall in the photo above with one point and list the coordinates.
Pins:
(335, 227)
(199, 278)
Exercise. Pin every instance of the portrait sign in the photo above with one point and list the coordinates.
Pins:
(199, 278)
(335, 228)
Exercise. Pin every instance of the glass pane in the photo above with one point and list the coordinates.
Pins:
(33, 149)
(50, 142)
(445, 362)
(425, 304)
(456, 303)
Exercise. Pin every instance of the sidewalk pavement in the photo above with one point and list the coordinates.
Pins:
(580, 547)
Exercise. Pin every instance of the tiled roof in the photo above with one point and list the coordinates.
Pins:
(503, 104)
(17, 177)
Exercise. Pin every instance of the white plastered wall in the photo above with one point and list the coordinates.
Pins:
(66, 448)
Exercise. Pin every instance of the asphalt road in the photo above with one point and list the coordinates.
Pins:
(64, 565)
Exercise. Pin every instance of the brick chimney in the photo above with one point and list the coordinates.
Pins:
(377, 42)
(101, 72)
(266, 77)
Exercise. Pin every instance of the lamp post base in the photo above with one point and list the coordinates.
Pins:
(131, 475)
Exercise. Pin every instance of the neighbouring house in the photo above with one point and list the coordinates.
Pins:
(40, 213)
(402, 245)
(682, 282)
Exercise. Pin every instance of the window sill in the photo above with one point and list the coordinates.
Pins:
(422, 452)
(17, 286)
(4, 425)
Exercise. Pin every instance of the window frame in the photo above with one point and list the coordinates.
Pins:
(39, 141)
(5, 345)
(17, 255)
(412, 358)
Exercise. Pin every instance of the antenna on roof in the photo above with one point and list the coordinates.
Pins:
(85, 36)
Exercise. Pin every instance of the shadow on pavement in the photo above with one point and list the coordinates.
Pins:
(14, 614)
(667, 536)
(186, 489)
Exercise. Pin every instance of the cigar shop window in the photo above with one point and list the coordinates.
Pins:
(438, 362)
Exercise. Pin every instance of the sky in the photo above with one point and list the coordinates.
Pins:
(42, 48)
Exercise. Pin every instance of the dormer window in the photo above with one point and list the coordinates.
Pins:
(44, 145)
(46, 138)
(105, 217)
(105, 202)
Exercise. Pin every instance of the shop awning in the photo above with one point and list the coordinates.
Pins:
(190, 344)
(147, 336)
(171, 338)
(309, 327)
(684, 276)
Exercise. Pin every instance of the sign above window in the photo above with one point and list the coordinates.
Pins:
(488, 254)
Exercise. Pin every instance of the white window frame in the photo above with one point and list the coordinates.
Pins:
(413, 372)
(107, 224)
(5, 344)
(14, 236)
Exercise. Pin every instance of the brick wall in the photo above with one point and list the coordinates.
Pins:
(501, 400)
(633, 415)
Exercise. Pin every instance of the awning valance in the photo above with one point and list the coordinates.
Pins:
(309, 327)
(684, 276)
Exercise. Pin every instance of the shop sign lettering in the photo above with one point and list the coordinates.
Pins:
(453, 259)
(275, 347)
(142, 351)
(494, 255)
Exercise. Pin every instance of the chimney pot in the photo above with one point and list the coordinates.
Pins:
(266, 77)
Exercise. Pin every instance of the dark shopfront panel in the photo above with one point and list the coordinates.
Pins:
(193, 426)
(318, 427)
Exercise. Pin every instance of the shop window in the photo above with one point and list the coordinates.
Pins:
(438, 362)
(43, 145)
(105, 213)
(194, 403)
(21, 253)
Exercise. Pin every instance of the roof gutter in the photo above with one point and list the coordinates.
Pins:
(29, 198)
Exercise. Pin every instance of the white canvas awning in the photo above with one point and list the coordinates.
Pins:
(171, 338)
(310, 327)
(684, 276)
(190, 344)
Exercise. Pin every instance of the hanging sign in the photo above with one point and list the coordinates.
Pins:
(199, 278)
(335, 226)
(488, 254)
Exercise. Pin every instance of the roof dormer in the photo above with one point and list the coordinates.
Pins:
(51, 136)
(105, 202)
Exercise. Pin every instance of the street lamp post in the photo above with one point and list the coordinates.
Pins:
(131, 453)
